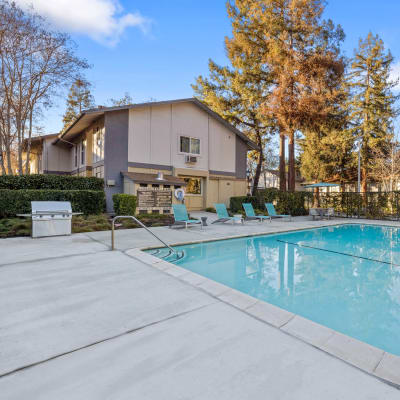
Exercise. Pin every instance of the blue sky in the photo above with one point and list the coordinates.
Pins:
(156, 48)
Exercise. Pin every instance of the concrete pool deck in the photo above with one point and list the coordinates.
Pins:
(78, 321)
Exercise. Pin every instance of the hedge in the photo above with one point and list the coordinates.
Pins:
(53, 182)
(293, 203)
(124, 204)
(235, 203)
(14, 202)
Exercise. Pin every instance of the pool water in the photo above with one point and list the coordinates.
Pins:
(345, 277)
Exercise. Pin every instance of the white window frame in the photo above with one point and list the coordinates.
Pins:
(98, 150)
(190, 138)
(201, 186)
(82, 153)
(76, 157)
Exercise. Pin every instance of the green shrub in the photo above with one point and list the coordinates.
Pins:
(293, 203)
(14, 202)
(235, 204)
(124, 204)
(53, 182)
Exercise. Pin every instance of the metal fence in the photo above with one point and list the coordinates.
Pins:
(371, 205)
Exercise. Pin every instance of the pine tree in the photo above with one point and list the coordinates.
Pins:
(294, 44)
(123, 101)
(238, 92)
(372, 102)
(79, 99)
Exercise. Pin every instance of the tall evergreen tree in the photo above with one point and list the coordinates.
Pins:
(79, 98)
(294, 44)
(238, 92)
(372, 103)
(123, 101)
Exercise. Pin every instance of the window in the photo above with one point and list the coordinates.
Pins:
(193, 185)
(98, 145)
(155, 185)
(98, 172)
(167, 186)
(76, 155)
(143, 185)
(189, 145)
(83, 151)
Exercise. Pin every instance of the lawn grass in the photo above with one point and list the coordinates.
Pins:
(13, 227)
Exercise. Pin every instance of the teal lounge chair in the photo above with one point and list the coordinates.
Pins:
(182, 218)
(251, 215)
(223, 216)
(272, 212)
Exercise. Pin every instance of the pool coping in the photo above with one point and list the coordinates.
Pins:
(365, 357)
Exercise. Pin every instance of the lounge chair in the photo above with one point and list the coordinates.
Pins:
(315, 214)
(251, 215)
(223, 216)
(272, 212)
(182, 218)
(330, 212)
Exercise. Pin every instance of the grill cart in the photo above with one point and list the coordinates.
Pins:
(50, 218)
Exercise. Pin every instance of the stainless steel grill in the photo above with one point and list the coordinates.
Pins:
(50, 218)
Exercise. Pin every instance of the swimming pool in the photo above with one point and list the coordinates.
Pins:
(345, 277)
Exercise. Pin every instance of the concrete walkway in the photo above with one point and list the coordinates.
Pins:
(78, 321)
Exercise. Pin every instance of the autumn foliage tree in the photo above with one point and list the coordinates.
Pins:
(300, 51)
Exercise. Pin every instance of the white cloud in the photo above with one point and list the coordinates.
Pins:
(395, 75)
(102, 20)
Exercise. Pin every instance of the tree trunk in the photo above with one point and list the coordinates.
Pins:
(2, 153)
(9, 163)
(364, 180)
(259, 166)
(282, 164)
(292, 167)
(28, 146)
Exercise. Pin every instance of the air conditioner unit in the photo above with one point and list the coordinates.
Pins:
(190, 159)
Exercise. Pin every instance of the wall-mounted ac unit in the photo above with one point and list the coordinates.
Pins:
(190, 159)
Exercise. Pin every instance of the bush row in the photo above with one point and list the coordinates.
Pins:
(54, 182)
(14, 202)
(124, 204)
(293, 203)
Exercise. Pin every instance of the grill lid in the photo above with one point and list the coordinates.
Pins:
(51, 206)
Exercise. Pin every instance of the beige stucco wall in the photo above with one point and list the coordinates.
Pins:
(154, 133)
(55, 158)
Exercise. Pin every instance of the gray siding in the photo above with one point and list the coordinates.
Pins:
(115, 151)
(241, 158)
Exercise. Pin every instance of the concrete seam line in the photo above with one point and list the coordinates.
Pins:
(380, 360)
(97, 241)
(128, 332)
(51, 258)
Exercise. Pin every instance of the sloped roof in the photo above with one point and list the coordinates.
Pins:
(85, 119)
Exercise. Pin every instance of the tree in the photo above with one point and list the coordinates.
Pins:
(79, 98)
(123, 101)
(372, 104)
(238, 92)
(34, 63)
(386, 165)
(295, 45)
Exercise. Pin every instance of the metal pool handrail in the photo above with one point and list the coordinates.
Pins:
(143, 226)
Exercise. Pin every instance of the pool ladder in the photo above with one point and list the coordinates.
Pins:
(171, 251)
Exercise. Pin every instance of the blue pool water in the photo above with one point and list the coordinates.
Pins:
(345, 277)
